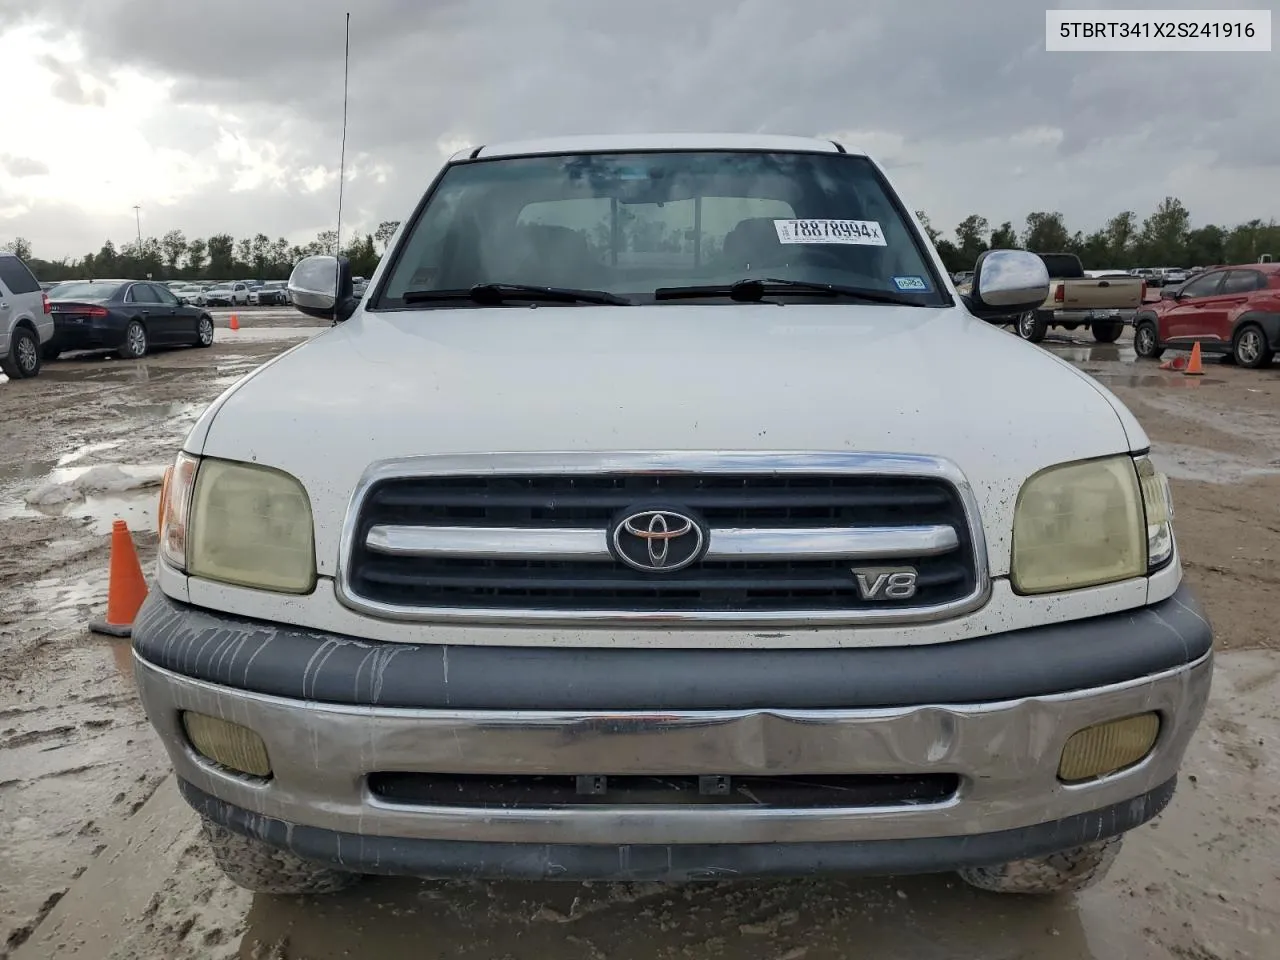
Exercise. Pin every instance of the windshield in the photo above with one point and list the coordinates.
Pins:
(629, 224)
(83, 291)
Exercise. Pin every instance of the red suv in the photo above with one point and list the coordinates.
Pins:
(1229, 310)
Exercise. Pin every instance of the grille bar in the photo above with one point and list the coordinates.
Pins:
(726, 543)
(444, 498)
(539, 792)
(786, 538)
(531, 580)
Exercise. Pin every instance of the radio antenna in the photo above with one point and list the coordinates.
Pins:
(342, 165)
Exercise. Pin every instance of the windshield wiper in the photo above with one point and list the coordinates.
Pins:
(753, 291)
(499, 293)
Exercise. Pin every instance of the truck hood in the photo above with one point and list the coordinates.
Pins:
(712, 377)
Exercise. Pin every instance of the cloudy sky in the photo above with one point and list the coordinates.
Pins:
(226, 117)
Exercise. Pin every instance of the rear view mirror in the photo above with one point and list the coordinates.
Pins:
(321, 287)
(1008, 282)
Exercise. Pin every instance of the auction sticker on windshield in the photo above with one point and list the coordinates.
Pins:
(910, 283)
(861, 232)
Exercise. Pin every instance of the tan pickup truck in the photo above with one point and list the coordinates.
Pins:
(1102, 303)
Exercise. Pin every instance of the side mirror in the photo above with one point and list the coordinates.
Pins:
(1007, 282)
(184, 301)
(321, 287)
(1167, 294)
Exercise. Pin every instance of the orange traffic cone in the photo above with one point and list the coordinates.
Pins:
(235, 322)
(1194, 369)
(126, 587)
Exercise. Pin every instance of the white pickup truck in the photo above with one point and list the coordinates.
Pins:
(643, 521)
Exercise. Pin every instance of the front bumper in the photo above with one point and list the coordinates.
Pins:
(1092, 316)
(352, 714)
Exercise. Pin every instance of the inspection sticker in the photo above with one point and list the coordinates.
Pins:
(860, 232)
(910, 283)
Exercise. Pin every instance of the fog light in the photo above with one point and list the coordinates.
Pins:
(1108, 747)
(227, 744)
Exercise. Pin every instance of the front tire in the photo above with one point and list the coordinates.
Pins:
(136, 342)
(23, 361)
(1033, 325)
(204, 332)
(1146, 342)
(1107, 331)
(1250, 349)
(262, 868)
(1062, 872)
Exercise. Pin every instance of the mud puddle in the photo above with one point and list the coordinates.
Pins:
(1183, 462)
(249, 332)
(1199, 882)
(253, 314)
(27, 470)
(1097, 353)
(87, 450)
(1256, 427)
(137, 509)
(94, 367)
(78, 761)
(96, 495)
(172, 410)
(1171, 382)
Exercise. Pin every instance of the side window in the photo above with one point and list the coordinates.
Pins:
(136, 294)
(1205, 286)
(1241, 281)
(16, 277)
(165, 295)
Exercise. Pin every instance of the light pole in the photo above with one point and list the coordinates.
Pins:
(137, 216)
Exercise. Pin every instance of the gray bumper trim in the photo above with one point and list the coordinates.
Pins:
(296, 663)
(393, 856)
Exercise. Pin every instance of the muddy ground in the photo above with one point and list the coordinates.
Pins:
(100, 858)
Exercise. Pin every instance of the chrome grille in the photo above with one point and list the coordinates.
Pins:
(522, 537)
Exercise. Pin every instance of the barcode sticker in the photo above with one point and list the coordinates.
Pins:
(857, 232)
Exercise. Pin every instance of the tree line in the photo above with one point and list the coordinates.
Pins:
(1163, 239)
(219, 257)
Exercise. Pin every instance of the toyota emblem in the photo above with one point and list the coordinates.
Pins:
(658, 541)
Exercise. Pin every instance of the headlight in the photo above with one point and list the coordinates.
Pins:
(175, 509)
(1158, 504)
(239, 523)
(1079, 525)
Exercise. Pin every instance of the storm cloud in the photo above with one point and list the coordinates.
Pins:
(22, 166)
(960, 100)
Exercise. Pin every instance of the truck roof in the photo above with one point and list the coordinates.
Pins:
(622, 142)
